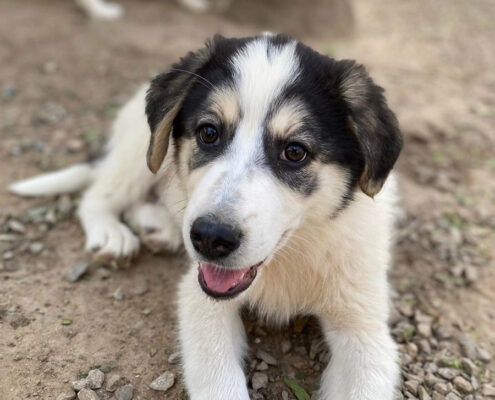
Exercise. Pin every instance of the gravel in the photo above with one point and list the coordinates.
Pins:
(259, 380)
(174, 358)
(113, 382)
(164, 382)
(125, 392)
(87, 394)
(266, 357)
(68, 394)
(77, 271)
(95, 379)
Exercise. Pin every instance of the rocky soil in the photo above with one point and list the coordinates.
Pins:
(72, 328)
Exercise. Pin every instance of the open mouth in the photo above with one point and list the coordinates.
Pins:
(224, 283)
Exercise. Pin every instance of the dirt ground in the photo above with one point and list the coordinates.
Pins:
(62, 77)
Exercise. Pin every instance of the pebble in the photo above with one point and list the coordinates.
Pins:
(174, 358)
(8, 255)
(488, 390)
(441, 388)
(36, 247)
(468, 347)
(16, 226)
(87, 394)
(95, 379)
(118, 294)
(444, 332)
(125, 392)
(164, 382)
(462, 384)
(448, 373)
(438, 396)
(75, 145)
(483, 355)
(259, 380)
(67, 395)
(424, 329)
(77, 271)
(140, 289)
(79, 385)
(264, 356)
(285, 395)
(64, 205)
(113, 381)
(453, 396)
(412, 386)
(286, 346)
(423, 394)
(262, 366)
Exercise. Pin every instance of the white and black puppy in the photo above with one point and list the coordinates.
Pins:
(271, 162)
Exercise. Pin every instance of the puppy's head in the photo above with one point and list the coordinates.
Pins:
(265, 132)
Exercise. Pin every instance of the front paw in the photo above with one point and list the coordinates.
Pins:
(112, 241)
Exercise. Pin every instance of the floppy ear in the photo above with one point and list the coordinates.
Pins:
(373, 123)
(164, 101)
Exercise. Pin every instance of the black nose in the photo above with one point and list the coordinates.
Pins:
(214, 239)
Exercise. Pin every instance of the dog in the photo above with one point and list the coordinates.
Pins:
(105, 10)
(270, 162)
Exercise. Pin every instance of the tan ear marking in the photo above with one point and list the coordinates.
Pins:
(158, 147)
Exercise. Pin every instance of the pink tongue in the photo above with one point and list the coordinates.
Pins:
(221, 280)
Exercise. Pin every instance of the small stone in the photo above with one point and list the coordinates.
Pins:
(118, 294)
(268, 358)
(75, 145)
(448, 373)
(469, 366)
(441, 388)
(174, 358)
(424, 329)
(79, 385)
(412, 386)
(468, 347)
(483, 355)
(95, 379)
(140, 289)
(64, 205)
(423, 394)
(87, 394)
(164, 382)
(36, 247)
(285, 395)
(124, 392)
(113, 381)
(286, 346)
(462, 384)
(51, 217)
(8, 255)
(77, 272)
(259, 380)
(69, 394)
(453, 396)
(444, 332)
(16, 226)
(488, 390)
(471, 274)
(438, 396)
(262, 366)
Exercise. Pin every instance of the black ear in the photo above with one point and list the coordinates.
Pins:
(373, 123)
(165, 98)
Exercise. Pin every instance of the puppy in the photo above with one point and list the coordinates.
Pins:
(270, 162)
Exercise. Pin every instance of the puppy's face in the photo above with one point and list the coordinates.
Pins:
(265, 134)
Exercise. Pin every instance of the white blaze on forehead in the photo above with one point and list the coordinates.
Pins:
(262, 70)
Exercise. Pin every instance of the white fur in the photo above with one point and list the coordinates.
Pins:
(101, 9)
(332, 268)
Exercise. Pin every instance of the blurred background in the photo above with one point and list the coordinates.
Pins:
(63, 76)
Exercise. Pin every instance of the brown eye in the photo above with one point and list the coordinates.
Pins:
(294, 152)
(208, 134)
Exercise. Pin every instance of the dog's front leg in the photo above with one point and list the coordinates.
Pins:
(213, 341)
(363, 364)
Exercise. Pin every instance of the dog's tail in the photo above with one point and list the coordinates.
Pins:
(66, 180)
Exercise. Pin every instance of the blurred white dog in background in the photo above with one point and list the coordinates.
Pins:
(102, 9)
